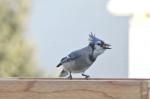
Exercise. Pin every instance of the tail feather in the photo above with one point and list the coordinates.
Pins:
(63, 73)
(59, 65)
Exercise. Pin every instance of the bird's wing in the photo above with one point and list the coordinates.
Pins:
(72, 56)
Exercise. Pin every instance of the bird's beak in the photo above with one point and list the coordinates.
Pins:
(106, 46)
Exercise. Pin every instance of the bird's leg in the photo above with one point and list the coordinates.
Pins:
(70, 76)
(86, 76)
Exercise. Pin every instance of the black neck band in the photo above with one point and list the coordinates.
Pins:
(91, 57)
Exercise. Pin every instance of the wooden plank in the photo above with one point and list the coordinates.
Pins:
(149, 89)
(144, 90)
(46, 88)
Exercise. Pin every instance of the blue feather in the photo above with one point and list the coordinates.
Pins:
(93, 39)
(72, 56)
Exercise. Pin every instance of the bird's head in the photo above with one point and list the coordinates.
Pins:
(98, 45)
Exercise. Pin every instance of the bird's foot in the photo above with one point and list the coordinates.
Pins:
(86, 76)
(69, 77)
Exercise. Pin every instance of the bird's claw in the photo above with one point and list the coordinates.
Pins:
(70, 77)
(86, 76)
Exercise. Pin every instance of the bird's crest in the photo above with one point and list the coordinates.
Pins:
(93, 38)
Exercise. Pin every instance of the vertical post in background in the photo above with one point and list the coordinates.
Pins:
(139, 34)
(139, 46)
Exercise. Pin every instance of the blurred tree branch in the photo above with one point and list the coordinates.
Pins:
(15, 54)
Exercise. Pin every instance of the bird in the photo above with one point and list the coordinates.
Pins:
(80, 60)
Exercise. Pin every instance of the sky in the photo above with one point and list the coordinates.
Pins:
(58, 27)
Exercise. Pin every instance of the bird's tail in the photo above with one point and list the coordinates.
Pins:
(59, 65)
(63, 73)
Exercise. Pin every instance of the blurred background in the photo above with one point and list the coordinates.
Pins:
(16, 54)
(36, 34)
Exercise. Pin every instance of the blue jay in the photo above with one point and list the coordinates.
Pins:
(80, 60)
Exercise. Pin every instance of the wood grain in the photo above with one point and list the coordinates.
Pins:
(38, 88)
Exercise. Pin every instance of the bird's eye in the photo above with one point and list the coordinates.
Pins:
(98, 44)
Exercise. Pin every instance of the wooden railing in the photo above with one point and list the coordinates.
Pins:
(55, 88)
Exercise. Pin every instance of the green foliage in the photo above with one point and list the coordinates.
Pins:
(15, 54)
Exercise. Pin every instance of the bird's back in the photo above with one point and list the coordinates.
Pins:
(80, 64)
